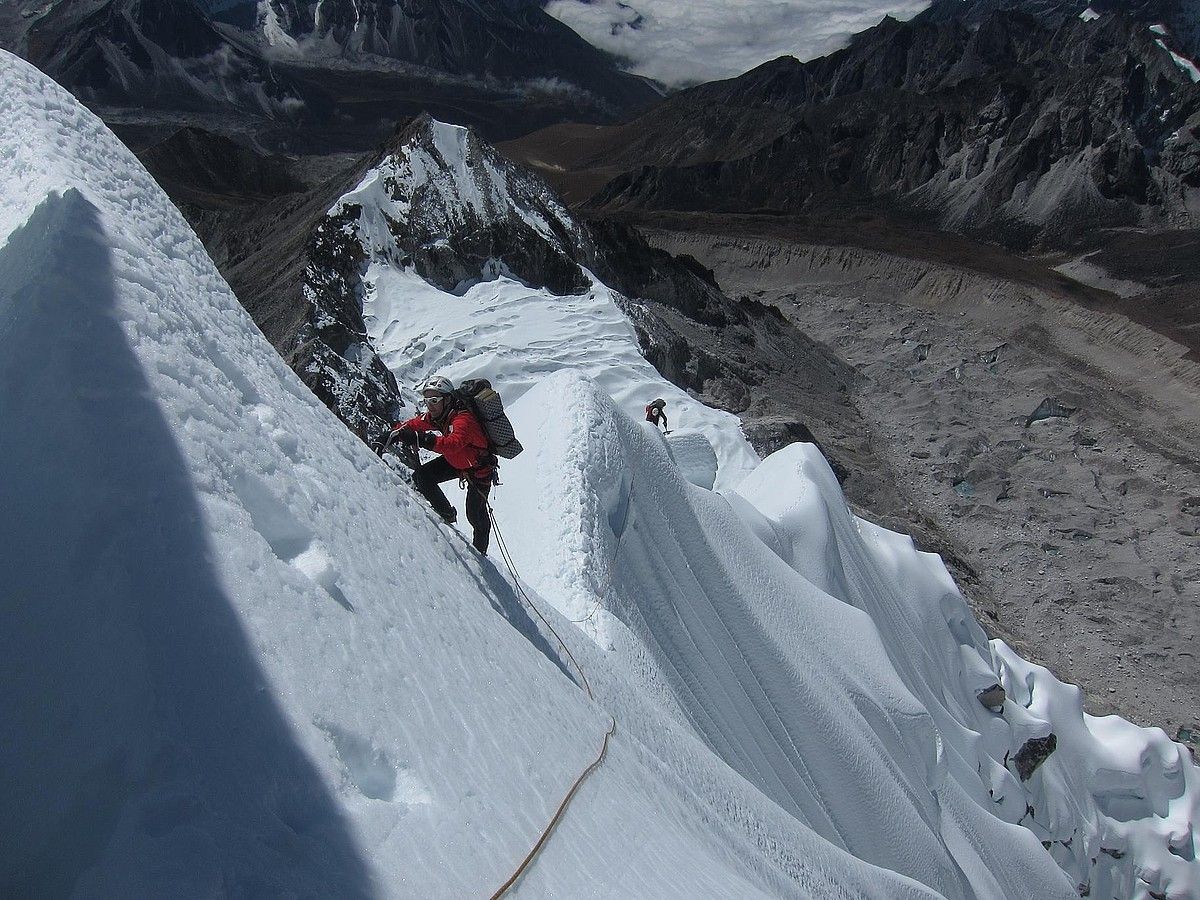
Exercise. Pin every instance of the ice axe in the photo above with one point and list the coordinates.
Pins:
(406, 453)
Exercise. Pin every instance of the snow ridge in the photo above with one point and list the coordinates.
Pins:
(878, 672)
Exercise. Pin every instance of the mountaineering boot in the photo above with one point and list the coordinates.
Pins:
(449, 517)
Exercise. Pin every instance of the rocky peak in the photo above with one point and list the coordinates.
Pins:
(448, 204)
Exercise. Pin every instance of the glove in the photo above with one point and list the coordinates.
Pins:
(404, 435)
(427, 439)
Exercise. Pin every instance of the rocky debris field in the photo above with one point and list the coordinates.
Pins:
(1047, 451)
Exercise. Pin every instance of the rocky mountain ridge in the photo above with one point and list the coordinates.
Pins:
(1028, 123)
(317, 77)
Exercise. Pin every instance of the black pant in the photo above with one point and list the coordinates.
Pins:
(427, 478)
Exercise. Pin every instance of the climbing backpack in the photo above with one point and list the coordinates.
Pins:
(484, 402)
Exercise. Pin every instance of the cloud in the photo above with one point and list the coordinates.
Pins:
(681, 42)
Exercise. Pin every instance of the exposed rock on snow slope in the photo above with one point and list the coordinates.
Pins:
(248, 660)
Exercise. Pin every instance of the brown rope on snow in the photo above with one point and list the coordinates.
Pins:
(512, 570)
(612, 728)
(562, 807)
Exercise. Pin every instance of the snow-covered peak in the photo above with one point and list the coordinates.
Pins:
(444, 185)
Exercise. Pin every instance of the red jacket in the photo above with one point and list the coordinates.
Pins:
(462, 441)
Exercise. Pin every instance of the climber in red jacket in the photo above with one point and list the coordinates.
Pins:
(465, 455)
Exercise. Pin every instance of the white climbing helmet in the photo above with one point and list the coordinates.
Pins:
(436, 384)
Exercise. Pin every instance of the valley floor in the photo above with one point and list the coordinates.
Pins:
(1075, 536)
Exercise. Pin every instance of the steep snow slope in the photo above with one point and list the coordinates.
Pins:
(244, 659)
(239, 657)
(836, 668)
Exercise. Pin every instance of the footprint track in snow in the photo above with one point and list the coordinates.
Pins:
(371, 770)
(290, 540)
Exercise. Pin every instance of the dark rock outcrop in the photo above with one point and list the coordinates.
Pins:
(332, 353)
(992, 697)
(1033, 753)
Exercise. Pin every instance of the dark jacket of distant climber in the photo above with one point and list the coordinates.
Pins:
(465, 455)
(656, 413)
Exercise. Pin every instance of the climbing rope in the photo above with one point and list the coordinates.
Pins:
(612, 728)
(512, 570)
(562, 807)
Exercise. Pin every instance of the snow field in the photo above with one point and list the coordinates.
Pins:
(244, 657)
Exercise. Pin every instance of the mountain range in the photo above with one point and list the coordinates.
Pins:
(303, 77)
(1030, 123)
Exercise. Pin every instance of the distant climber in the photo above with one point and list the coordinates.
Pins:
(465, 455)
(656, 414)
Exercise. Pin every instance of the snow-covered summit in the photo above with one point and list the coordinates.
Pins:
(241, 657)
(453, 207)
